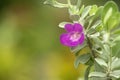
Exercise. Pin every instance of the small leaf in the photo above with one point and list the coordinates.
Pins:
(114, 20)
(94, 35)
(116, 39)
(115, 64)
(106, 37)
(115, 74)
(73, 10)
(104, 56)
(78, 3)
(97, 23)
(106, 49)
(97, 40)
(87, 72)
(74, 17)
(93, 10)
(98, 68)
(82, 59)
(62, 24)
(81, 9)
(101, 62)
(110, 9)
(116, 49)
(117, 31)
(97, 74)
(85, 12)
(89, 18)
(90, 31)
(98, 12)
(78, 48)
(98, 78)
(55, 4)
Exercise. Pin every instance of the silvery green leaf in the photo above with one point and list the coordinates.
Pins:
(78, 48)
(89, 18)
(93, 10)
(98, 12)
(55, 3)
(87, 72)
(85, 12)
(74, 17)
(98, 78)
(97, 23)
(81, 9)
(97, 74)
(82, 59)
(114, 21)
(103, 56)
(106, 49)
(97, 41)
(110, 9)
(100, 52)
(106, 37)
(62, 24)
(90, 31)
(115, 74)
(115, 64)
(99, 68)
(73, 10)
(101, 62)
(116, 49)
(117, 31)
(116, 39)
(78, 3)
(94, 35)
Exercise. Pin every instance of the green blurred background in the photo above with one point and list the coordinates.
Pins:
(29, 41)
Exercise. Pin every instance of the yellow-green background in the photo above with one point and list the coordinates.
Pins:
(29, 41)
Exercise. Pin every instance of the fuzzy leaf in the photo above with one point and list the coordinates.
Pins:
(87, 72)
(114, 20)
(97, 74)
(101, 62)
(115, 74)
(55, 4)
(93, 10)
(110, 9)
(85, 12)
(106, 49)
(78, 3)
(115, 64)
(62, 24)
(106, 37)
(97, 23)
(81, 59)
(116, 49)
(74, 17)
(93, 28)
(117, 32)
(81, 9)
(78, 48)
(116, 39)
(97, 40)
(98, 12)
(73, 10)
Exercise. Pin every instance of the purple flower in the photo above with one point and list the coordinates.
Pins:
(74, 35)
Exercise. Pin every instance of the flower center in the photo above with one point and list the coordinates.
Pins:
(75, 36)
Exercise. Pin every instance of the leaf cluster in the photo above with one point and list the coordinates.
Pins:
(102, 32)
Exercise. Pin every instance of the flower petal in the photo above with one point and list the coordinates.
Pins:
(65, 40)
(78, 27)
(69, 27)
(73, 44)
(82, 38)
